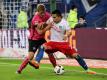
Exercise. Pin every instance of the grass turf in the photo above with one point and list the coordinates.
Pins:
(8, 68)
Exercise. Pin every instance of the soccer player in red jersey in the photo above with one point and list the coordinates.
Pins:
(37, 33)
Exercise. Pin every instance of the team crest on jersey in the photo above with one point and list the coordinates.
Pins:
(61, 27)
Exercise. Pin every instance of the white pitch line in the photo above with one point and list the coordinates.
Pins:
(6, 64)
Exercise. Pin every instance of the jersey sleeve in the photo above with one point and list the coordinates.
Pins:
(49, 20)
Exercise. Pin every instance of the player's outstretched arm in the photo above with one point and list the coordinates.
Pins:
(44, 28)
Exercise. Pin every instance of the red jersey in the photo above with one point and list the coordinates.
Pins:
(34, 35)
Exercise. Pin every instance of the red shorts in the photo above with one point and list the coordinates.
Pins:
(63, 47)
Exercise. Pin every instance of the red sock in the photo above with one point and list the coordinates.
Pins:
(52, 60)
(24, 64)
(34, 64)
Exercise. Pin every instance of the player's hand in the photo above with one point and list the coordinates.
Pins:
(42, 25)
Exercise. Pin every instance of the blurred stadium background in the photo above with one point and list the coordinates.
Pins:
(90, 41)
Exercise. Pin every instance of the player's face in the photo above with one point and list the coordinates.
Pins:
(81, 20)
(41, 13)
(56, 18)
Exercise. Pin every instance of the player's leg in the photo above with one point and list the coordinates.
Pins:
(52, 59)
(49, 49)
(25, 62)
(34, 64)
(32, 50)
(40, 54)
(80, 60)
(82, 63)
(71, 52)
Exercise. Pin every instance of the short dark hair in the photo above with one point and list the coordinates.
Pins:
(82, 17)
(57, 12)
(73, 7)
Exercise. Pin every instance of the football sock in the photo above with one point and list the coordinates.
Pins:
(34, 64)
(52, 59)
(39, 55)
(24, 64)
(81, 62)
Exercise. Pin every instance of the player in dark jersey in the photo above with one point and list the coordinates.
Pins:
(36, 37)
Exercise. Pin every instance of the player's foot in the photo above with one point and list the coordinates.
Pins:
(34, 64)
(18, 72)
(90, 72)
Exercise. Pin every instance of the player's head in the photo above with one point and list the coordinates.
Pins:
(81, 19)
(74, 8)
(23, 8)
(41, 9)
(56, 15)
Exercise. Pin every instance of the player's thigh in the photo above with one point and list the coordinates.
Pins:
(72, 52)
(49, 45)
(67, 50)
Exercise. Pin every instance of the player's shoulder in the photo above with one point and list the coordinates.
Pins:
(49, 20)
(47, 13)
(63, 21)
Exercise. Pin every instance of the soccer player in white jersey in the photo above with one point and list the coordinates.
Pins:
(59, 33)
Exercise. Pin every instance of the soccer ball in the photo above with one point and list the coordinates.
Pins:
(59, 70)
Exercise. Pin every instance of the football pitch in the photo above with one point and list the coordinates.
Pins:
(8, 68)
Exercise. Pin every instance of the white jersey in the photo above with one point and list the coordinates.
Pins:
(58, 30)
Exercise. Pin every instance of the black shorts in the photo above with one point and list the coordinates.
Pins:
(35, 44)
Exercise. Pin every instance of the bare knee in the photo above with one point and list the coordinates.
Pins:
(75, 55)
(31, 55)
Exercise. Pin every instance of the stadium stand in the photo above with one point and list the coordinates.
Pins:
(11, 37)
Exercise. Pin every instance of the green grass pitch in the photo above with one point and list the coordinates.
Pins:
(8, 68)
